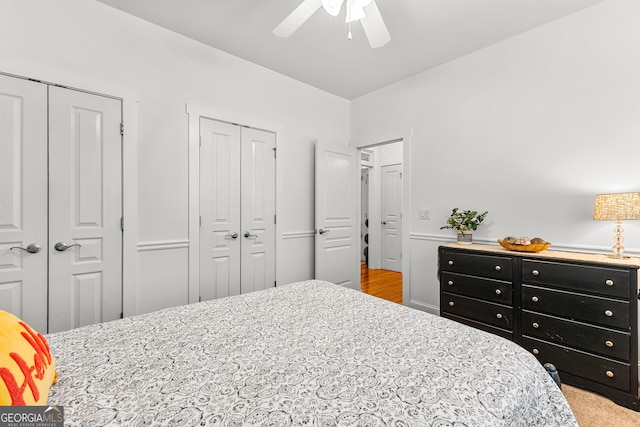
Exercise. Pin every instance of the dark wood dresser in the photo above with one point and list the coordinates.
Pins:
(578, 311)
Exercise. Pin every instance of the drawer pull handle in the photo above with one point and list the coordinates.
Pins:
(450, 262)
(534, 299)
(450, 283)
(536, 351)
(535, 272)
(498, 268)
(498, 292)
(609, 282)
(609, 343)
(609, 374)
(499, 316)
(608, 313)
(535, 325)
(451, 304)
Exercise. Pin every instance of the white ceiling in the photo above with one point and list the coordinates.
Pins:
(424, 34)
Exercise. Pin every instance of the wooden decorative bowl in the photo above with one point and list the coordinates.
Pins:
(535, 247)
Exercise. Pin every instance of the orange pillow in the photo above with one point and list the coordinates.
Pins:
(27, 368)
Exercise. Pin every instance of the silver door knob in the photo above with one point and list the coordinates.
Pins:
(250, 236)
(232, 235)
(32, 248)
(384, 222)
(321, 231)
(62, 246)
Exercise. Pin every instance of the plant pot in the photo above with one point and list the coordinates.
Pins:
(465, 238)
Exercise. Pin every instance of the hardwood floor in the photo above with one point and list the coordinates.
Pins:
(383, 284)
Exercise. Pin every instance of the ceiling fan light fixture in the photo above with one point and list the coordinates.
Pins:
(354, 12)
(332, 6)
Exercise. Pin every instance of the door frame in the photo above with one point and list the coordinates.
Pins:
(194, 112)
(404, 136)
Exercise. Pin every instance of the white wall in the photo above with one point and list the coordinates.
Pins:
(85, 44)
(529, 129)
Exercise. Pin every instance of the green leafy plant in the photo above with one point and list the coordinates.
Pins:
(463, 220)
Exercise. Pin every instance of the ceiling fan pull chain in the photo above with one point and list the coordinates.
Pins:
(349, 35)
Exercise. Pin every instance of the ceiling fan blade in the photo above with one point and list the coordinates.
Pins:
(374, 26)
(297, 18)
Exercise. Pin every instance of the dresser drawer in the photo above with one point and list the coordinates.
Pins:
(607, 342)
(592, 309)
(482, 326)
(477, 287)
(475, 309)
(595, 368)
(489, 266)
(587, 279)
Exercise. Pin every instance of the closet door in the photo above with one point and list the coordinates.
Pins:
(237, 209)
(258, 210)
(23, 200)
(219, 209)
(85, 235)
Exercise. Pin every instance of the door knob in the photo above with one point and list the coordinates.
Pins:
(384, 222)
(62, 246)
(232, 235)
(321, 231)
(32, 248)
(248, 235)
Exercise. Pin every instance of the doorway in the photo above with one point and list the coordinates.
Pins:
(381, 211)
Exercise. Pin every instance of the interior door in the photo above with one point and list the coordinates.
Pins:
(237, 208)
(391, 202)
(23, 200)
(219, 209)
(85, 209)
(337, 232)
(258, 246)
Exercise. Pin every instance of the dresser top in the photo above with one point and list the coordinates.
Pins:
(550, 254)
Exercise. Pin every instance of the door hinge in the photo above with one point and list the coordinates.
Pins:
(200, 141)
(275, 283)
(275, 151)
(121, 315)
(122, 223)
(274, 219)
(200, 220)
(122, 129)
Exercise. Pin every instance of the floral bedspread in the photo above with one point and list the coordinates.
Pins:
(305, 354)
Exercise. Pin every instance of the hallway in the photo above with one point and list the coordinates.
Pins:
(383, 284)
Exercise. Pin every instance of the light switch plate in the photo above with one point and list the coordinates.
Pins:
(425, 213)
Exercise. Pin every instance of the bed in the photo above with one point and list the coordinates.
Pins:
(305, 354)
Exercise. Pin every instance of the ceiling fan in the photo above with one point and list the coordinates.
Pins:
(365, 11)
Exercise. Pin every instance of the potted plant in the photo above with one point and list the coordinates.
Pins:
(465, 222)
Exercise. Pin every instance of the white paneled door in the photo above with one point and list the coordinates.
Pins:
(237, 209)
(258, 206)
(23, 200)
(60, 205)
(337, 231)
(85, 234)
(391, 202)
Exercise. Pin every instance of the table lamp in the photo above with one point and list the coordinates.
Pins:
(617, 207)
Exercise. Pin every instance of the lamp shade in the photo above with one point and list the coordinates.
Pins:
(617, 206)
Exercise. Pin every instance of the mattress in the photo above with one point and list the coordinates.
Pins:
(305, 354)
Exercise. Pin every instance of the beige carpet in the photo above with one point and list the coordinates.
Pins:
(593, 410)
